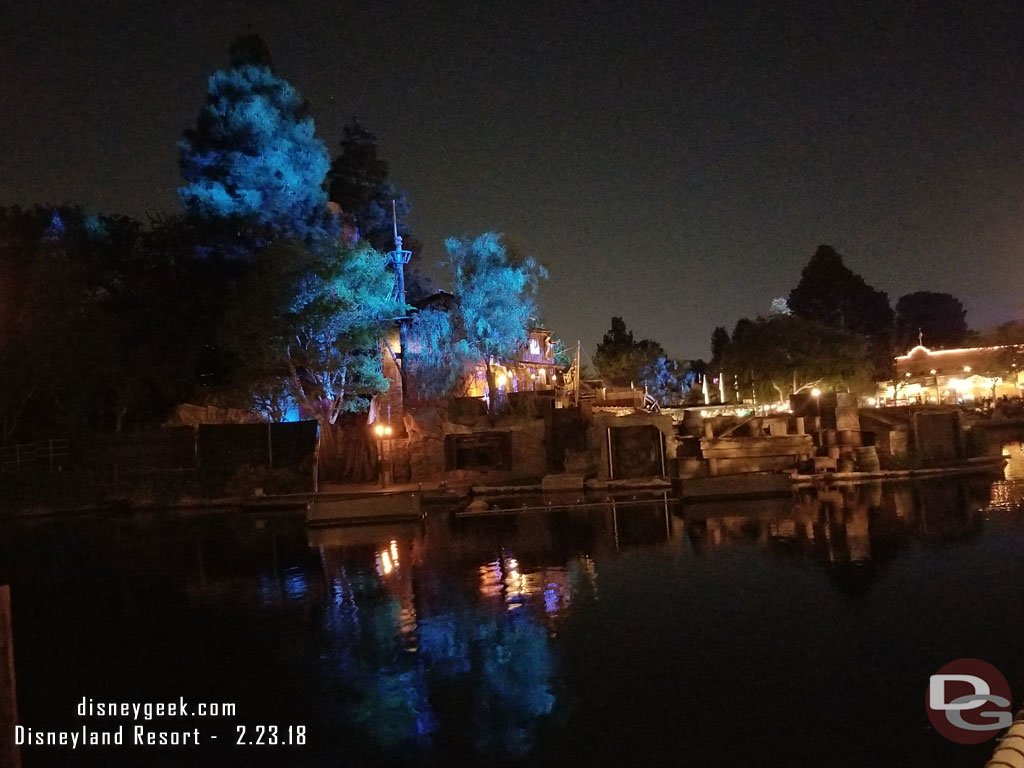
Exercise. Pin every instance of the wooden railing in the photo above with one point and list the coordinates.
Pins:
(46, 454)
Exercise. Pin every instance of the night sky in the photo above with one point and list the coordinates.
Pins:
(675, 163)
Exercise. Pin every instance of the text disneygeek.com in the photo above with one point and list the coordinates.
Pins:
(141, 732)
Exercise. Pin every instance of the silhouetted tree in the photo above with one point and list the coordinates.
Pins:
(1010, 332)
(621, 360)
(719, 341)
(833, 295)
(358, 183)
(96, 327)
(940, 318)
(784, 354)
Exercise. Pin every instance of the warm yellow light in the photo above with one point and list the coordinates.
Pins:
(932, 371)
(962, 386)
(387, 430)
(907, 374)
(385, 561)
(502, 380)
(871, 401)
(379, 429)
(967, 369)
(815, 392)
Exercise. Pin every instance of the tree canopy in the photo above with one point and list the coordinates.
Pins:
(719, 341)
(358, 183)
(621, 360)
(784, 354)
(96, 323)
(253, 165)
(833, 295)
(495, 291)
(939, 317)
(306, 324)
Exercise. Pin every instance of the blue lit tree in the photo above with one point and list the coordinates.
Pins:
(436, 363)
(253, 169)
(306, 324)
(495, 300)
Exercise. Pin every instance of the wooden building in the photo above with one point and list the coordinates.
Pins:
(951, 376)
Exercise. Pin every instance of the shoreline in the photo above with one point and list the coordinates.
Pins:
(437, 493)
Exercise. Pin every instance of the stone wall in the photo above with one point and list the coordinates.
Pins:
(429, 428)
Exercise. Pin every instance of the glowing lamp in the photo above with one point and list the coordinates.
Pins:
(932, 371)
(379, 430)
(967, 369)
(815, 392)
(502, 380)
(387, 430)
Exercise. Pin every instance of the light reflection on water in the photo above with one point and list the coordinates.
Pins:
(630, 632)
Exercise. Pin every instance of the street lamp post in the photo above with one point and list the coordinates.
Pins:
(381, 431)
(815, 394)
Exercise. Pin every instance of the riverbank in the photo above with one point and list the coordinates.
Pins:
(439, 493)
(967, 466)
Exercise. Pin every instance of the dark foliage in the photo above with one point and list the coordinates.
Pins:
(940, 319)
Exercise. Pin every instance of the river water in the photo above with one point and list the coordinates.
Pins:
(796, 631)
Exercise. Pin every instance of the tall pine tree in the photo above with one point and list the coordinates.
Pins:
(253, 169)
(358, 183)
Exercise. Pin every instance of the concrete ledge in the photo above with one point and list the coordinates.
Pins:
(563, 482)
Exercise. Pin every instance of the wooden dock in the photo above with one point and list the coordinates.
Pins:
(741, 486)
(9, 752)
(366, 508)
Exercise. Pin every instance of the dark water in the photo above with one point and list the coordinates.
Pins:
(784, 632)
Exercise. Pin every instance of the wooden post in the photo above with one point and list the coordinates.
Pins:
(9, 752)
